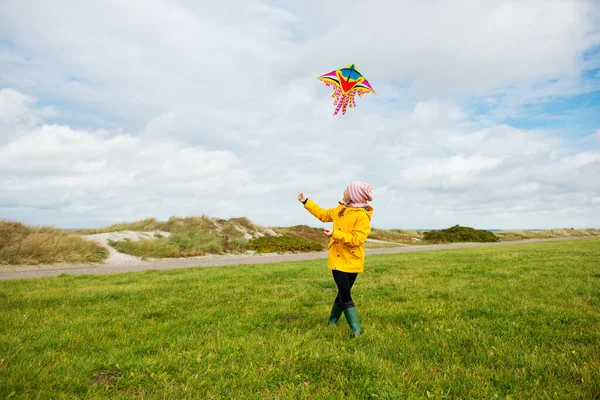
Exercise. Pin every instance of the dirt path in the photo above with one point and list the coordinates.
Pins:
(19, 272)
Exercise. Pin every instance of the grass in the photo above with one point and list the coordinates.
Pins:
(282, 244)
(397, 235)
(24, 245)
(178, 224)
(306, 232)
(458, 234)
(201, 235)
(146, 225)
(315, 235)
(189, 245)
(191, 236)
(510, 235)
(516, 322)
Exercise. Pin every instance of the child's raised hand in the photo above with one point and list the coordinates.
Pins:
(301, 197)
(328, 232)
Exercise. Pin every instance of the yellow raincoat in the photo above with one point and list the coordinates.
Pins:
(350, 231)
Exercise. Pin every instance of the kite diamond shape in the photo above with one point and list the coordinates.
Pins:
(347, 82)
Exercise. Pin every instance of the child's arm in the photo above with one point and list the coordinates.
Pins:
(321, 213)
(359, 234)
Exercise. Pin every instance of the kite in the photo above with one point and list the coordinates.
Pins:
(347, 82)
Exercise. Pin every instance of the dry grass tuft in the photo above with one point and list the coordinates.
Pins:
(304, 232)
(20, 244)
(396, 235)
(511, 235)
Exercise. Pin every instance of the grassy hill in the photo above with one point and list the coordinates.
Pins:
(201, 235)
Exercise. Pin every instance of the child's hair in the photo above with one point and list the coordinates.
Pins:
(341, 212)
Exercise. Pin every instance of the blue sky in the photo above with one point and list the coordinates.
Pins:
(117, 111)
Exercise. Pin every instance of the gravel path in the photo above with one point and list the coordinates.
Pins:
(19, 272)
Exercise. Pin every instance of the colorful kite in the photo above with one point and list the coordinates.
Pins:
(347, 82)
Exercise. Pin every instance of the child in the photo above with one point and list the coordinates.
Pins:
(346, 254)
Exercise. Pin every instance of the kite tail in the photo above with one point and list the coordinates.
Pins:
(352, 100)
(339, 105)
(345, 104)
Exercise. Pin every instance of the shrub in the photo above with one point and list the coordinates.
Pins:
(159, 248)
(460, 234)
(395, 235)
(184, 244)
(280, 244)
(305, 232)
(507, 235)
(21, 244)
(244, 223)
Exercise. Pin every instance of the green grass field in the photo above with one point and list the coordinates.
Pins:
(515, 321)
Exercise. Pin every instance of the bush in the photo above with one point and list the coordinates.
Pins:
(21, 244)
(198, 242)
(159, 248)
(280, 244)
(395, 235)
(305, 232)
(184, 244)
(460, 234)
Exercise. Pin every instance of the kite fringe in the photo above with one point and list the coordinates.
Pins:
(343, 101)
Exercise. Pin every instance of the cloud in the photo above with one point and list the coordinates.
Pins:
(472, 48)
(194, 107)
(241, 58)
(117, 176)
(179, 52)
(17, 114)
(433, 111)
(447, 169)
(456, 172)
(15, 108)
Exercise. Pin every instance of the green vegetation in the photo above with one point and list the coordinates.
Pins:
(509, 235)
(281, 244)
(146, 225)
(201, 235)
(192, 236)
(311, 234)
(518, 322)
(23, 245)
(179, 245)
(460, 234)
(316, 235)
(396, 235)
(173, 225)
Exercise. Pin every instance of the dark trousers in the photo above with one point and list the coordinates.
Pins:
(344, 282)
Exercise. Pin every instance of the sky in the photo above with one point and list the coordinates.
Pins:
(485, 114)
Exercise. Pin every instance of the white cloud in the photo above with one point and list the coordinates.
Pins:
(456, 172)
(195, 107)
(475, 47)
(435, 111)
(116, 175)
(504, 140)
(446, 170)
(15, 108)
(141, 59)
(17, 115)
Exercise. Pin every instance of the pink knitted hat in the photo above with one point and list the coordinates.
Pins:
(360, 193)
